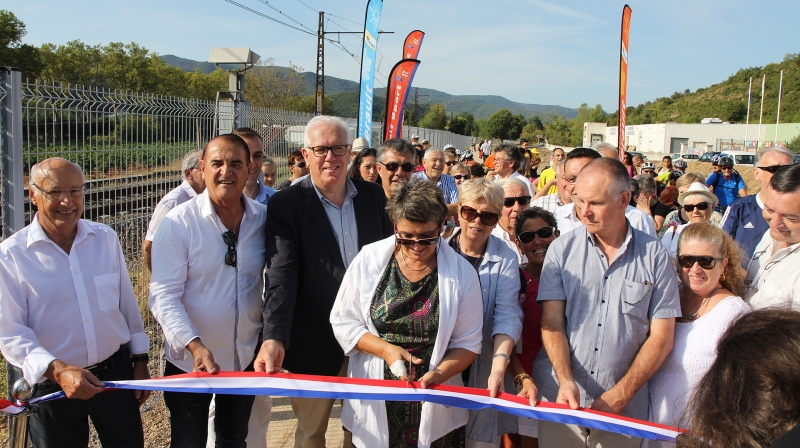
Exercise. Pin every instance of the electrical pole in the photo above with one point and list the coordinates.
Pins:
(320, 109)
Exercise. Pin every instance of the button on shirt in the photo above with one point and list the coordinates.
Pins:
(609, 307)
(77, 307)
(343, 222)
(194, 294)
(773, 279)
(446, 183)
(177, 196)
(567, 220)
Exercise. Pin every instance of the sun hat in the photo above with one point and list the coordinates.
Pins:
(359, 144)
(702, 190)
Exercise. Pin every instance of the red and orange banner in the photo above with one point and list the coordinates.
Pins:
(623, 79)
(396, 93)
(412, 44)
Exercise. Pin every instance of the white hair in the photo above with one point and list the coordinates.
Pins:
(779, 149)
(39, 171)
(324, 120)
(432, 151)
(190, 161)
(512, 182)
(604, 145)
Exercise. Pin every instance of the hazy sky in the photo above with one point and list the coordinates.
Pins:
(530, 51)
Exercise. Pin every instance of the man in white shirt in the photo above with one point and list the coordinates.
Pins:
(773, 276)
(208, 259)
(507, 159)
(192, 185)
(515, 200)
(70, 319)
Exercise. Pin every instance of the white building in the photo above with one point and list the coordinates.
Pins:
(671, 137)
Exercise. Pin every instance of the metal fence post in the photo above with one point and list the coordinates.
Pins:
(11, 161)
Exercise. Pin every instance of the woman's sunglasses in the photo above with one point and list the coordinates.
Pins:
(300, 164)
(705, 261)
(461, 176)
(410, 242)
(701, 206)
(523, 200)
(487, 218)
(543, 232)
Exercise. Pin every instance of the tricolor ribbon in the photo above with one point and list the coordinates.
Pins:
(311, 386)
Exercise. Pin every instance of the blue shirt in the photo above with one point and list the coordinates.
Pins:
(343, 222)
(746, 224)
(446, 183)
(727, 191)
(264, 193)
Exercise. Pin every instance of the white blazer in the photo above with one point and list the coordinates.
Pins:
(460, 326)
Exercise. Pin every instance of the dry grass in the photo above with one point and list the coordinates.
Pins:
(746, 172)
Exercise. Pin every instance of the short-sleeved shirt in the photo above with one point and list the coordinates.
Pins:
(609, 307)
(547, 175)
(446, 183)
(727, 190)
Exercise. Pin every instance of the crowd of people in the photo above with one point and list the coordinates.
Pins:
(598, 282)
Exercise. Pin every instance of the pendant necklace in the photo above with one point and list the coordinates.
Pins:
(693, 316)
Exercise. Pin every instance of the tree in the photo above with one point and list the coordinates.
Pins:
(462, 124)
(500, 124)
(518, 122)
(536, 123)
(267, 85)
(13, 53)
(794, 145)
(308, 104)
(557, 131)
(434, 118)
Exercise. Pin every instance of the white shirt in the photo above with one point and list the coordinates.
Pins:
(460, 326)
(194, 294)
(773, 279)
(670, 239)
(515, 174)
(500, 233)
(567, 220)
(177, 196)
(78, 308)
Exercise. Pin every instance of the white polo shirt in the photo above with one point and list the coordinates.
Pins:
(773, 279)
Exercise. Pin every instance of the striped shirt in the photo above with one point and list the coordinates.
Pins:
(446, 183)
(550, 202)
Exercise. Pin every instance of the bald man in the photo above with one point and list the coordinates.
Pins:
(70, 317)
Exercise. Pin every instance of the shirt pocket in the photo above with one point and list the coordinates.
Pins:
(107, 289)
(633, 297)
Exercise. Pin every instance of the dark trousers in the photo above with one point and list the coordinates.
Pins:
(189, 416)
(115, 414)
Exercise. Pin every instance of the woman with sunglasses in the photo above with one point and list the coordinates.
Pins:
(698, 203)
(365, 166)
(711, 285)
(409, 308)
(536, 228)
(679, 216)
(297, 168)
(460, 172)
(480, 203)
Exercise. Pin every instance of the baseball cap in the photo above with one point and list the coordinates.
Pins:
(533, 151)
(359, 144)
(415, 136)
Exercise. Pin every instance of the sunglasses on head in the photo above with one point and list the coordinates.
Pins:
(522, 200)
(393, 166)
(410, 242)
(543, 232)
(229, 238)
(772, 168)
(701, 206)
(461, 176)
(487, 218)
(705, 261)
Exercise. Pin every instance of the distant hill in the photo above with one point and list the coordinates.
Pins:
(345, 95)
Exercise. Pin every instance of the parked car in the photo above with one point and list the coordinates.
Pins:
(740, 157)
(709, 156)
(685, 156)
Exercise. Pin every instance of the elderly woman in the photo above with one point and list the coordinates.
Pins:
(479, 206)
(678, 217)
(698, 203)
(409, 299)
(460, 172)
(711, 286)
(364, 166)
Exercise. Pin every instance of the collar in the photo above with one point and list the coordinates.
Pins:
(759, 201)
(207, 209)
(36, 232)
(264, 192)
(350, 191)
(628, 238)
(189, 189)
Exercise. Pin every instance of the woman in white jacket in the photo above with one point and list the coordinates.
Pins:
(409, 298)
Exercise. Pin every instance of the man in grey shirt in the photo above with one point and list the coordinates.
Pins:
(610, 297)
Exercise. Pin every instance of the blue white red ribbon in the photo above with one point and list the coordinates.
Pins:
(310, 386)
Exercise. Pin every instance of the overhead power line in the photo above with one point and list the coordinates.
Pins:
(281, 13)
(270, 18)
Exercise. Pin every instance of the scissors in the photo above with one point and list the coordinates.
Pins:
(408, 377)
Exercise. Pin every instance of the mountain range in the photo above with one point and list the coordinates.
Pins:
(345, 96)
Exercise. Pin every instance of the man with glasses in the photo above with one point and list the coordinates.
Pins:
(70, 317)
(192, 185)
(507, 159)
(450, 158)
(773, 277)
(744, 222)
(726, 184)
(297, 169)
(205, 291)
(395, 164)
(516, 198)
(323, 223)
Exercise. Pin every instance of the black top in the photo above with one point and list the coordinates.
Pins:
(284, 184)
(659, 209)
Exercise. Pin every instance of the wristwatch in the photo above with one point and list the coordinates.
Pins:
(144, 357)
(519, 379)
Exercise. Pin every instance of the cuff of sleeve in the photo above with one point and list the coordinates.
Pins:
(36, 364)
(139, 343)
(182, 338)
(350, 348)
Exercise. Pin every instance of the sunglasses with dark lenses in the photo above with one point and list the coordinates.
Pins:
(229, 238)
(487, 218)
(450, 163)
(522, 200)
(771, 169)
(393, 166)
(701, 206)
(543, 232)
(461, 176)
(410, 242)
(705, 261)
(300, 164)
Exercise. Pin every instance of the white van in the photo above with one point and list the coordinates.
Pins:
(740, 157)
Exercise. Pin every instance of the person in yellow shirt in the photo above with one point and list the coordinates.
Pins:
(550, 173)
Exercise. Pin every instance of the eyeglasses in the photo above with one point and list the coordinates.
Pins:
(61, 194)
(450, 163)
(571, 180)
(461, 176)
(322, 151)
(229, 238)
(522, 200)
(393, 166)
(487, 218)
(410, 242)
(543, 232)
(705, 261)
(701, 206)
(301, 164)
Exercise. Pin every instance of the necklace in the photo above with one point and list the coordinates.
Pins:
(409, 267)
(693, 316)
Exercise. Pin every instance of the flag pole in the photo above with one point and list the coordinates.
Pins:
(778, 120)
(749, 101)
(761, 115)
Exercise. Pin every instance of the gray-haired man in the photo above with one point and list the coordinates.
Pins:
(395, 164)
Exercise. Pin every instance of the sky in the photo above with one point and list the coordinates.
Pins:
(530, 51)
